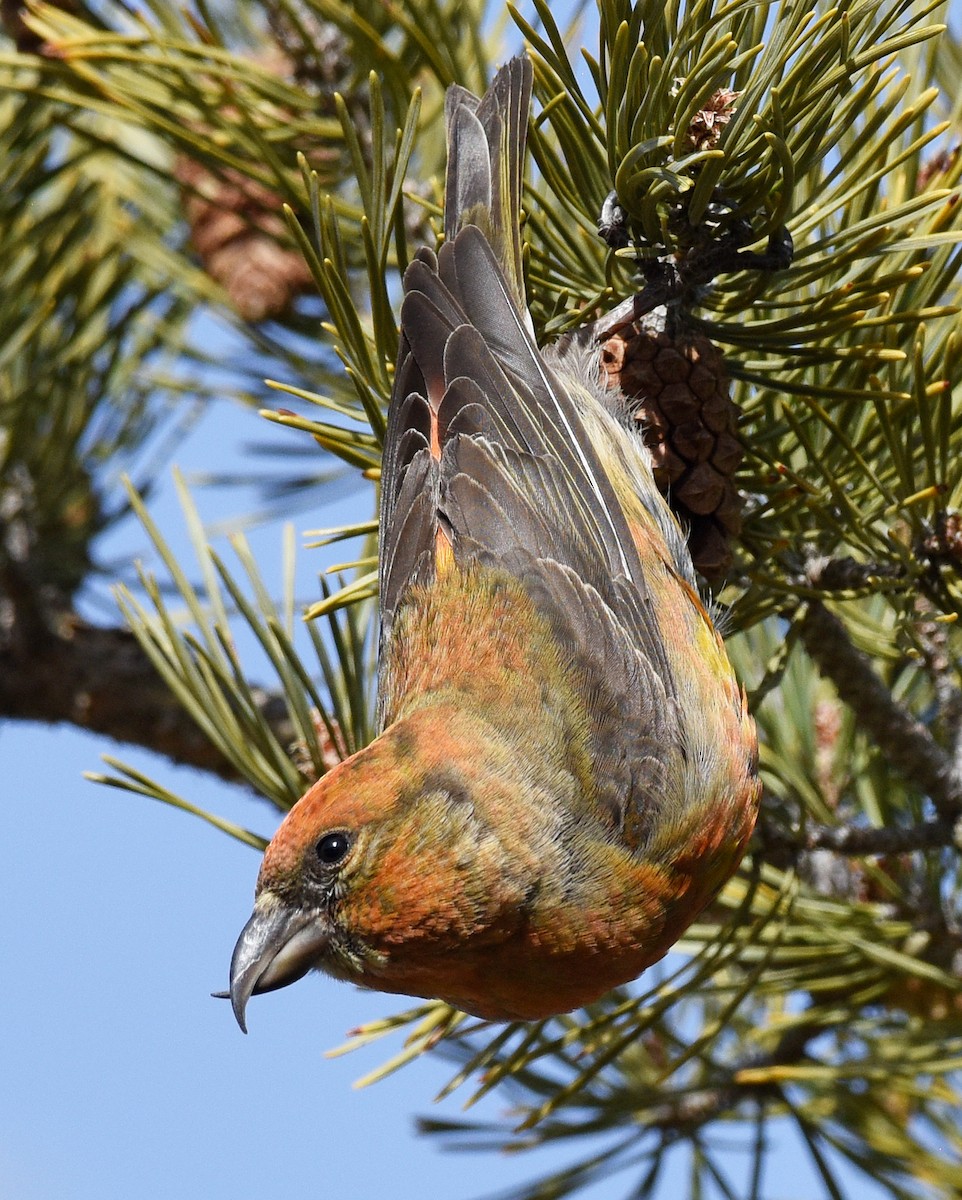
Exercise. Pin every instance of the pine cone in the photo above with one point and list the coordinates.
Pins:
(237, 226)
(707, 125)
(238, 232)
(678, 391)
(333, 749)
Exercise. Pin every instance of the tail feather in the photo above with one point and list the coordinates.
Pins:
(486, 144)
(486, 147)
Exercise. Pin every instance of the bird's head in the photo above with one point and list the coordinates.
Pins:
(388, 863)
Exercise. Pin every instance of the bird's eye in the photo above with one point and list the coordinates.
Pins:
(332, 848)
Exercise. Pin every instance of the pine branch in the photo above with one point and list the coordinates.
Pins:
(102, 681)
(903, 740)
(845, 574)
(857, 840)
(689, 1112)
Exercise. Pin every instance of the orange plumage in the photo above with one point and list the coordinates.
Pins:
(566, 774)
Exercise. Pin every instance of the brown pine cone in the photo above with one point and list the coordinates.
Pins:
(678, 391)
(238, 231)
(238, 228)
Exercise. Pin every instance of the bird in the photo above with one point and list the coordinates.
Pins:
(566, 772)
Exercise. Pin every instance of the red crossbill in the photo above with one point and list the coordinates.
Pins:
(567, 772)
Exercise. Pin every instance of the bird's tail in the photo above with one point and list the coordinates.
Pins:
(486, 142)
(486, 139)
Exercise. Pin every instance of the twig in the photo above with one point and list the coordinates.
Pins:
(846, 574)
(859, 840)
(688, 1112)
(101, 680)
(905, 742)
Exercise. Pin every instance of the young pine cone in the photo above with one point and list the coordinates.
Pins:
(677, 390)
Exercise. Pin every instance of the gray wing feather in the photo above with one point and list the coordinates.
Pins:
(517, 487)
(407, 551)
(471, 275)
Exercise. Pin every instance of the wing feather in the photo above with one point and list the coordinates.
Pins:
(469, 272)
(487, 444)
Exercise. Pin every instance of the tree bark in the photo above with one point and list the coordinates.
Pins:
(100, 679)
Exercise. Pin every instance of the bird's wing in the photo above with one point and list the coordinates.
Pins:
(486, 453)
